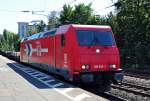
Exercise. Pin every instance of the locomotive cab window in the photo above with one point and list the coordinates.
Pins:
(91, 38)
(63, 40)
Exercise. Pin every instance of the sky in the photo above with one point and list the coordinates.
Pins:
(10, 10)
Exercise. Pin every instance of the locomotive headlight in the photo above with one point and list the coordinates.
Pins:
(112, 66)
(97, 50)
(85, 66)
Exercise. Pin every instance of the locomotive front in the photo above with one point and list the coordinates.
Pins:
(97, 59)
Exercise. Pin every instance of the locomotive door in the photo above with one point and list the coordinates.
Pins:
(59, 44)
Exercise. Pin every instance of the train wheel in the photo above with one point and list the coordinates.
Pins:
(102, 83)
(103, 86)
(77, 81)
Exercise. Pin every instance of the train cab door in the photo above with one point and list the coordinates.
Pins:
(59, 47)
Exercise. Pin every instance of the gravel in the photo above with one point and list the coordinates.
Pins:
(131, 96)
(128, 96)
(138, 81)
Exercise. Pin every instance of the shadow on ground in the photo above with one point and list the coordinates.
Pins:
(35, 81)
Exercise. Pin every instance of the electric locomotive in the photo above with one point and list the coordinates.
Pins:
(85, 54)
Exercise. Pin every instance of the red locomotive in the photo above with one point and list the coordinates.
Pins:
(80, 53)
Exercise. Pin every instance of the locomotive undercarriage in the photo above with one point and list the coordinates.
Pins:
(100, 81)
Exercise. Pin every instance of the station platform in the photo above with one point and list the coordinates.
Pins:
(22, 83)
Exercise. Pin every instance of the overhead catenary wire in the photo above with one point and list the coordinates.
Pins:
(6, 10)
(44, 11)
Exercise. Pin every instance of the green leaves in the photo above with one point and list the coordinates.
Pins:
(81, 14)
(133, 20)
(41, 26)
(66, 16)
(9, 41)
(36, 28)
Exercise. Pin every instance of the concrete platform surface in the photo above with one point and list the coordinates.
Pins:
(22, 83)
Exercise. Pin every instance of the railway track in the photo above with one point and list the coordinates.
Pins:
(112, 97)
(132, 88)
(106, 95)
(137, 74)
(147, 77)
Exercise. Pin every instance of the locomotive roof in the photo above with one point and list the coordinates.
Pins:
(42, 34)
(90, 26)
(63, 29)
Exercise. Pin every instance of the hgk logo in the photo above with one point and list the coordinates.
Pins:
(39, 50)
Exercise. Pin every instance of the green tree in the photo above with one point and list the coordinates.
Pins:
(41, 26)
(82, 13)
(66, 15)
(9, 41)
(133, 22)
(36, 28)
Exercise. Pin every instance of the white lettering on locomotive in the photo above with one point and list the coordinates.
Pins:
(65, 60)
(99, 66)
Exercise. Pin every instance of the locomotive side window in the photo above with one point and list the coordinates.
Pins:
(47, 34)
(62, 40)
(51, 32)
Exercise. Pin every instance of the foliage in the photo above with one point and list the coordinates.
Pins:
(9, 41)
(133, 27)
(32, 31)
(66, 15)
(41, 26)
(81, 14)
(36, 28)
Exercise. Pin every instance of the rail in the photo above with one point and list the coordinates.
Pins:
(132, 88)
